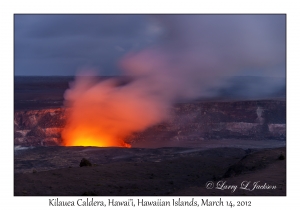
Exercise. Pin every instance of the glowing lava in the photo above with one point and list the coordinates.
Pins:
(86, 142)
(85, 137)
(104, 114)
(77, 140)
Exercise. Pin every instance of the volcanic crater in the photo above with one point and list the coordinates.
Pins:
(213, 140)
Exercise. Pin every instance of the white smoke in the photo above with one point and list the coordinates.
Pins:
(197, 53)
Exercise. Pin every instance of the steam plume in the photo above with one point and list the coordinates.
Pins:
(195, 54)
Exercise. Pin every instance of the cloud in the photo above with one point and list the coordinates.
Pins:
(61, 44)
(200, 51)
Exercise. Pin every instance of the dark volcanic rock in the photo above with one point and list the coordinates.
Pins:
(39, 127)
(89, 193)
(37, 132)
(195, 121)
(255, 161)
(256, 120)
(85, 162)
(281, 157)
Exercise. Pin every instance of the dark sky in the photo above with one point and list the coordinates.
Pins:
(64, 44)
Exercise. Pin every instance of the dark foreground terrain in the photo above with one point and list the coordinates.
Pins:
(55, 171)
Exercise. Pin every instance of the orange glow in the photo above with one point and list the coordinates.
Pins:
(103, 114)
(79, 137)
(88, 134)
(95, 143)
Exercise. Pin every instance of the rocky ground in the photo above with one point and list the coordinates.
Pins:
(55, 171)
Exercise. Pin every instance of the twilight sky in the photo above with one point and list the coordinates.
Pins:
(64, 44)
